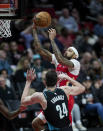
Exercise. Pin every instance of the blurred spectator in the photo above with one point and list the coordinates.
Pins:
(5, 92)
(76, 15)
(4, 73)
(56, 25)
(4, 1)
(76, 122)
(65, 38)
(15, 55)
(101, 58)
(5, 46)
(27, 35)
(98, 28)
(68, 21)
(46, 44)
(4, 63)
(85, 41)
(39, 86)
(92, 103)
(37, 66)
(98, 86)
(44, 4)
(96, 7)
(28, 54)
(20, 74)
(98, 47)
(86, 61)
(96, 69)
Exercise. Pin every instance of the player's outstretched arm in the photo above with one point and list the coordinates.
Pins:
(62, 60)
(9, 115)
(76, 87)
(43, 52)
(36, 97)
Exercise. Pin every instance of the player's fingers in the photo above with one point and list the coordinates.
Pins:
(34, 71)
(53, 30)
(49, 30)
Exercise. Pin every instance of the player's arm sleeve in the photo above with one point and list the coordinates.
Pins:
(54, 60)
(76, 64)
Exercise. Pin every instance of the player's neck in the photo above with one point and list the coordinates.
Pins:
(52, 88)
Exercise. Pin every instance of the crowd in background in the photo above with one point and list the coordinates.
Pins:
(76, 27)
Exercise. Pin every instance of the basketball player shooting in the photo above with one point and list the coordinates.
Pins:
(54, 101)
(67, 64)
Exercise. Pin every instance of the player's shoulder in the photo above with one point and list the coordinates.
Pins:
(75, 61)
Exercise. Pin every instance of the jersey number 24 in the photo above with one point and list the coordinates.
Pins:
(62, 110)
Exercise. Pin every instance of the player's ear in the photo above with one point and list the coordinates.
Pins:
(74, 56)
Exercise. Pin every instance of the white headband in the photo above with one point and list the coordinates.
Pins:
(75, 51)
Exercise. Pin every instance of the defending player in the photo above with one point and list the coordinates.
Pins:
(54, 101)
(10, 115)
(66, 64)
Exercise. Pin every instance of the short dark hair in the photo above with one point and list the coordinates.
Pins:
(51, 78)
(3, 70)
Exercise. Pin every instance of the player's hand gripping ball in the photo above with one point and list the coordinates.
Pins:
(42, 19)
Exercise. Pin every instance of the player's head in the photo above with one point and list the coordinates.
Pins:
(71, 53)
(51, 79)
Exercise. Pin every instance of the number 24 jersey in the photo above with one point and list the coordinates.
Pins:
(57, 112)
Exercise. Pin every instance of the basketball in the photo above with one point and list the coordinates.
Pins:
(42, 19)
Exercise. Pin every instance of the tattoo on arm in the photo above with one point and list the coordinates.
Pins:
(43, 52)
(36, 40)
(59, 56)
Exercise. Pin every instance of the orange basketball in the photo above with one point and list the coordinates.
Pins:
(42, 19)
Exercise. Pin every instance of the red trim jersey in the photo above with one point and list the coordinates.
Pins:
(71, 73)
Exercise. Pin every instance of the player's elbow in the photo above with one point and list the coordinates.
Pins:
(23, 102)
(60, 59)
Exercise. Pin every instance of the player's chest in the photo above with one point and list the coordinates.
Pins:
(61, 68)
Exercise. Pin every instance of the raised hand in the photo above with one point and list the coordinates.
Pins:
(52, 34)
(30, 75)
